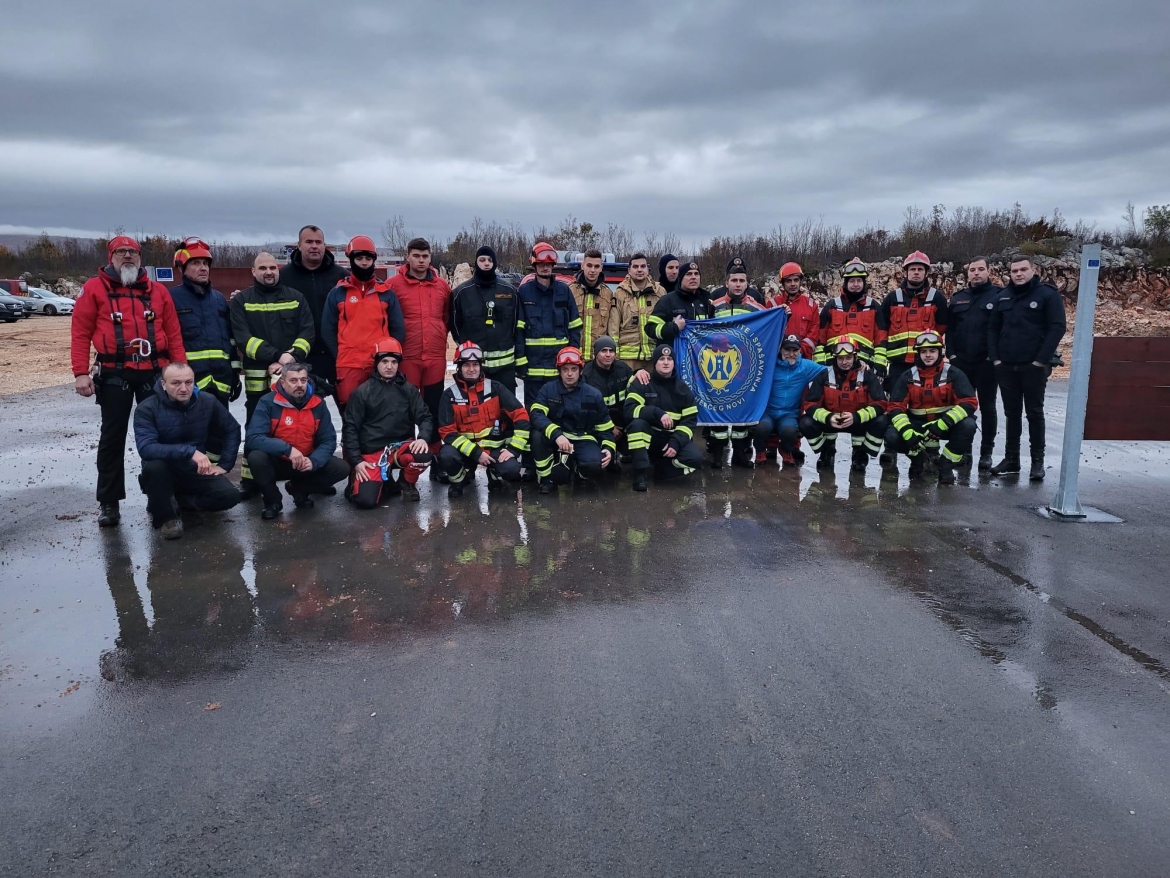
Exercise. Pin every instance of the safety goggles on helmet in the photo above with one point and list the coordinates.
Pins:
(192, 248)
(544, 253)
(842, 348)
(855, 268)
(469, 352)
(569, 357)
(927, 340)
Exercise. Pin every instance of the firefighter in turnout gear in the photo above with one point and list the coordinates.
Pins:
(853, 316)
(273, 328)
(549, 321)
(481, 423)
(385, 428)
(206, 324)
(662, 414)
(847, 398)
(736, 298)
(486, 310)
(633, 302)
(933, 402)
(611, 376)
(594, 299)
(572, 432)
(915, 307)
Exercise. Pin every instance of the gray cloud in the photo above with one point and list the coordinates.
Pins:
(700, 118)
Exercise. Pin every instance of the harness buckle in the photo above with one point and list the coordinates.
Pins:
(116, 316)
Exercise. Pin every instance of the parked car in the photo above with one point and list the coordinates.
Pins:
(49, 303)
(13, 308)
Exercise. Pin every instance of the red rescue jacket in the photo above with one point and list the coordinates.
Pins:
(482, 415)
(297, 426)
(858, 321)
(146, 312)
(804, 321)
(426, 308)
(929, 391)
(857, 391)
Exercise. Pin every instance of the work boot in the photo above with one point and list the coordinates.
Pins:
(887, 457)
(1036, 473)
(173, 529)
(302, 501)
(527, 474)
(787, 458)
(271, 511)
(860, 460)
(438, 474)
(248, 489)
(547, 486)
(409, 491)
(917, 465)
(798, 456)
(1009, 465)
(742, 459)
(761, 457)
(946, 472)
(827, 460)
(985, 461)
(109, 515)
(455, 489)
(640, 481)
(717, 458)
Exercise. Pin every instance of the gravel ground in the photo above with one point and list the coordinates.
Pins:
(34, 353)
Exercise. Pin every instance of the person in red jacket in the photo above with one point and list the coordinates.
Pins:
(425, 299)
(130, 321)
(804, 315)
(359, 312)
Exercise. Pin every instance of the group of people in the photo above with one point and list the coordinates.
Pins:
(908, 373)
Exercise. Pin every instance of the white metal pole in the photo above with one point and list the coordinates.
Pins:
(1066, 503)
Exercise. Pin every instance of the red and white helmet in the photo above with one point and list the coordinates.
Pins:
(916, 258)
(569, 356)
(544, 252)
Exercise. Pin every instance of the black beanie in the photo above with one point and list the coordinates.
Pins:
(736, 266)
(659, 350)
(488, 276)
(604, 341)
(668, 285)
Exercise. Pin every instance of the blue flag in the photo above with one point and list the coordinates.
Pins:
(728, 363)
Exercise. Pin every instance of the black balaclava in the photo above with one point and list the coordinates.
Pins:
(669, 285)
(489, 276)
(363, 274)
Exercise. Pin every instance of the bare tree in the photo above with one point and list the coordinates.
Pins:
(395, 235)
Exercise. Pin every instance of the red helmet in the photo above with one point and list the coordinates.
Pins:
(388, 347)
(569, 357)
(544, 252)
(468, 352)
(916, 258)
(790, 269)
(191, 248)
(361, 244)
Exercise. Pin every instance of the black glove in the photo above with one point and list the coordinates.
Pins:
(936, 429)
(235, 388)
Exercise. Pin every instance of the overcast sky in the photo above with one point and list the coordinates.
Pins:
(244, 121)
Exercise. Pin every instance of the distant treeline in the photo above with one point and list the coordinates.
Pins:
(947, 236)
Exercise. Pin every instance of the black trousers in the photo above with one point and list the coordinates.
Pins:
(983, 377)
(867, 436)
(954, 443)
(457, 465)
(116, 395)
(551, 463)
(268, 469)
(169, 486)
(1022, 387)
(647, 443)
(432, 395)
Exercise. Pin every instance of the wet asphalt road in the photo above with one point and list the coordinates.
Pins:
(768, 673)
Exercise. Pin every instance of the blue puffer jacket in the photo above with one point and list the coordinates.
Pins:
(166, 430)
(788, 385)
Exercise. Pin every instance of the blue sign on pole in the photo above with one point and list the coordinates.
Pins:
(728, 363)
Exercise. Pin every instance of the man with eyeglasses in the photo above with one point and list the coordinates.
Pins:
(130, 321)
(205, 323)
